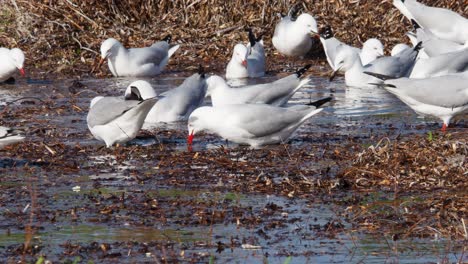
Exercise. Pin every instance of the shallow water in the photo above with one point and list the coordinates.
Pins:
(294, 231)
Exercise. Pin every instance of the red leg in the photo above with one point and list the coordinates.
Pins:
(444, 128)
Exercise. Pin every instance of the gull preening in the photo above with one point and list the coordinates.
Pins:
(249, 124)
(237, 66)
(275, 93)
(176, 104)
(443, 97)
(9, 136)
(118, 120)
(11, 60)
(292, 36)
(443, 23)
(136, 62)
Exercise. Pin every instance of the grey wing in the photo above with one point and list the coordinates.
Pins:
(262, 120)
(439, 19)
(189, 95)
(108, 109)
(153, 54)
(445, 91)
(398, 66)
(270, 93)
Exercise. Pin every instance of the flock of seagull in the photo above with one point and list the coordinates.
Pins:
(431, 77)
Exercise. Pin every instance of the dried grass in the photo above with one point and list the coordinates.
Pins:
(64, 35)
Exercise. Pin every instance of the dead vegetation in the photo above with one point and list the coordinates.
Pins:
(63, 36)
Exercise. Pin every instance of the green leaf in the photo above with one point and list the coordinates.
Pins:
(40, 260)
(287, 260)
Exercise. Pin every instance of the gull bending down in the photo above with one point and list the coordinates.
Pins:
(116, 120)
(249, 124)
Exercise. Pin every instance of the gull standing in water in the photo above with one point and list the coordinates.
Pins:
(116, 120)
(136, 62)
(443, 97)
(250, 124)
(10, 61)
(398, 66)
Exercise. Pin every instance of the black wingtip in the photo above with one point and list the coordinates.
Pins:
(302, 70)
(418, 46)
(415, 24)
(293, 11)
(320, 102)
(167, 38)
(201, 71)
(382, 77)
(252, 38)
(134, 94)
(327, 32)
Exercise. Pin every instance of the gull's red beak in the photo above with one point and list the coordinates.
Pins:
(190, 138)
(23, 73)
(244, 63)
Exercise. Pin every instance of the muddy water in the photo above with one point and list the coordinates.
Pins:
(206, 222)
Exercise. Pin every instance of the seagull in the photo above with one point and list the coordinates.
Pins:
(371, 49)
(443, 97)
(256, 56)
(444, 64)
(237, 66)
(292, 37)
(276, 93)
(9, 136)
(348, 60)
(116, 120)
(178, 103)
(443, 23)
(250, 124)
(11, 60)
(136, 62)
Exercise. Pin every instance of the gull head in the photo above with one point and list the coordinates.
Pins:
(17, 57)
(374, 46)
(196, 122)
(308, 23)
(240, 54)
(345, 58)
(144, 89)
(214, 82)
(109, 48)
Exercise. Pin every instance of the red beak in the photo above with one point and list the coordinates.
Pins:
(190, 138)
(23, 73)
(244, 63)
